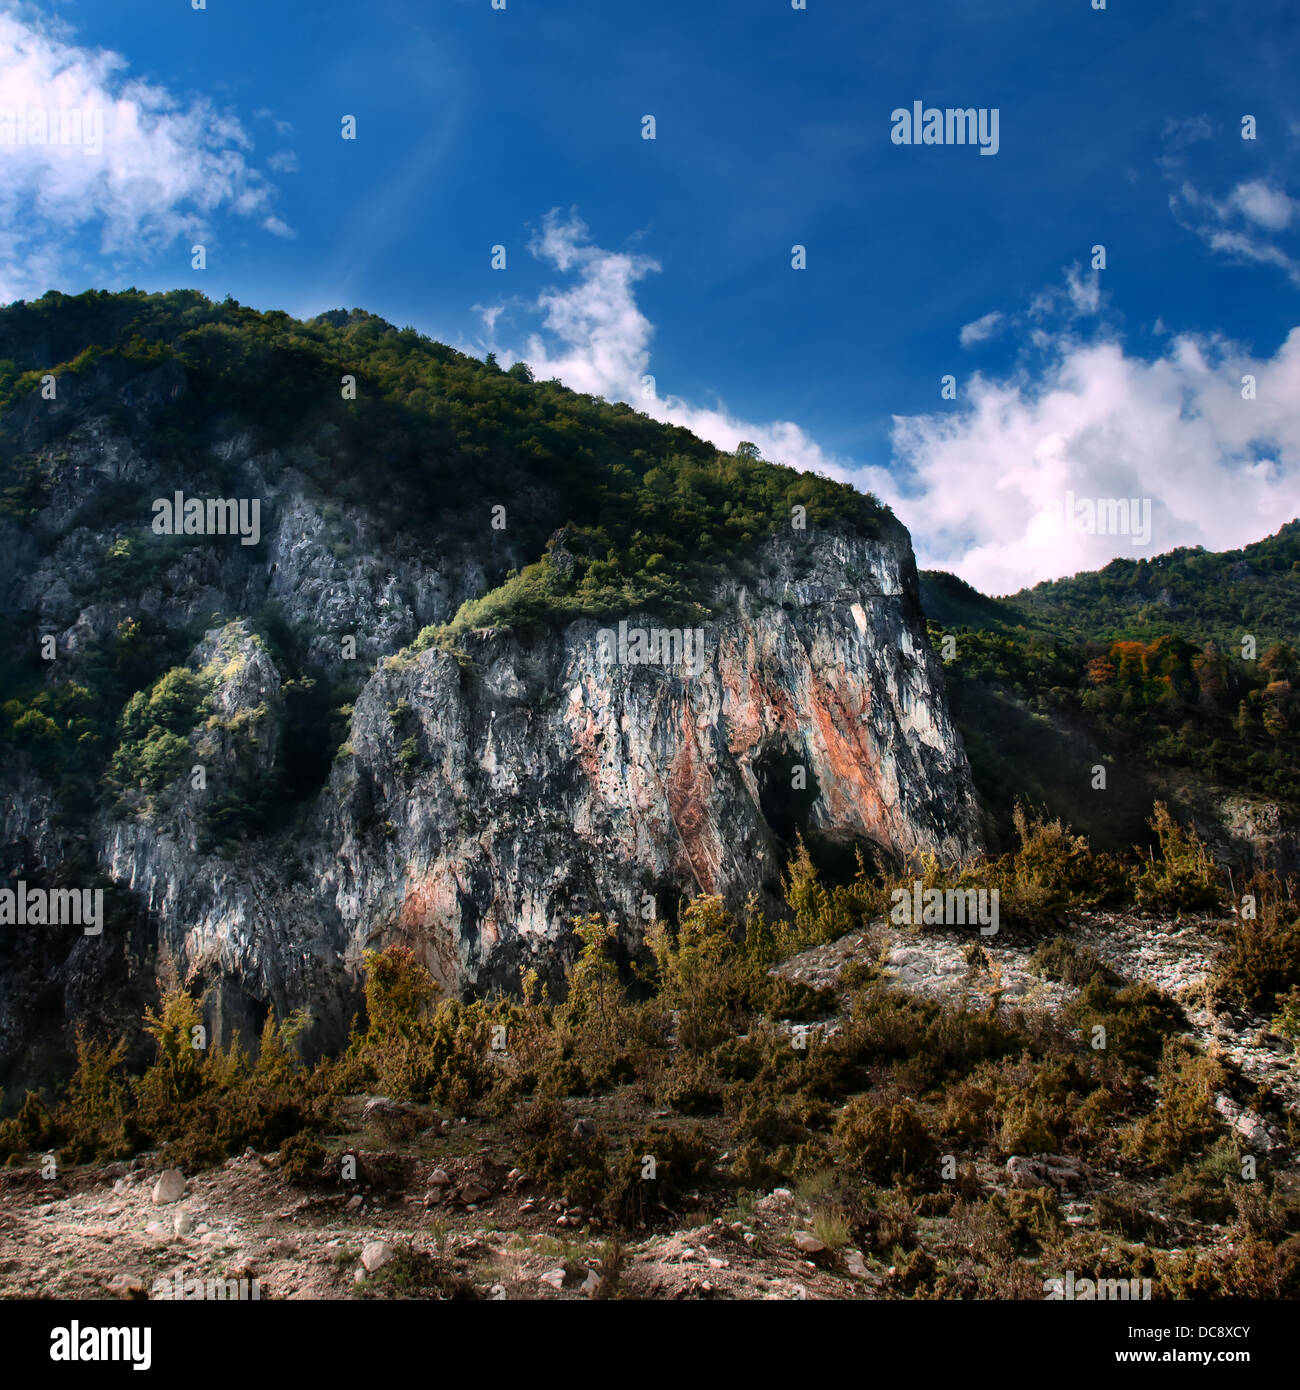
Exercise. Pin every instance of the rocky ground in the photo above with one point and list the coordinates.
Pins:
(112, 1232)
(1174, 956)
(447, 1187)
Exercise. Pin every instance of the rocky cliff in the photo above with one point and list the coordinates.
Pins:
(482, 799)
(281, 775)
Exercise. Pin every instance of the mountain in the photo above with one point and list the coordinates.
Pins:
(323, 636)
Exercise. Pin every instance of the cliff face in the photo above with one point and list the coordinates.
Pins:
(548, 779)
(480, 800)
(480, 803)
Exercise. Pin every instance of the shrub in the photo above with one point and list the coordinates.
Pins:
(562, 1157)
(679, 1160)
(700, 973)
(414, 1274)
(1184, 878)
(97, 1113)
(883, 1142)
(1286, 1021)
(1065, 960)
(32, 1128)
(153, 731)
(1137, 1019)
(830, 1224)
(1034, 1216)
(203, 1104)
(1184, 1122)
(301, 1157)
(1262, 960)
(689, 1085)
(398, 990)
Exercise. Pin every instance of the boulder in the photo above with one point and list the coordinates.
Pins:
(376, 1254)
(170, 1187)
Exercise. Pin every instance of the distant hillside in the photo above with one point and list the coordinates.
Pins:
(1179, 673)
(1189, 592)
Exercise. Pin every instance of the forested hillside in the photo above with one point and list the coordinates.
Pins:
(1185, 664)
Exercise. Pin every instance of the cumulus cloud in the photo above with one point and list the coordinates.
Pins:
(984, 491)
(981, 330)
(1270, 207)
(160, 172)
(982, 488)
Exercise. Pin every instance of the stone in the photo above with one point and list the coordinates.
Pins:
(1253, 1128)
(808, 1244)
(353, 1203)
(553, 1277)
(170, 1187)
(127, 1286)
(584, 1129)
(1045, 1170)
(381, 1108)
(779, 1200)
(439, 1178)
(376, 1254)
(182, 1223)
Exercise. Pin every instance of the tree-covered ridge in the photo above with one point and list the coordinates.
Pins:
(431, 434)
(1189, 592)
(1187, 662)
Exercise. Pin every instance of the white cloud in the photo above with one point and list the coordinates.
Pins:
(1084, 291)
(1270, 207)
(976, 486)
(983, 486)
(595, 339)
(283, 162)
(1180, 131)
(1253, 206)
(1080, 296)
(981, 330)
(163, 170)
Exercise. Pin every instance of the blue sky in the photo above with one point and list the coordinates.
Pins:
(672, 258)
